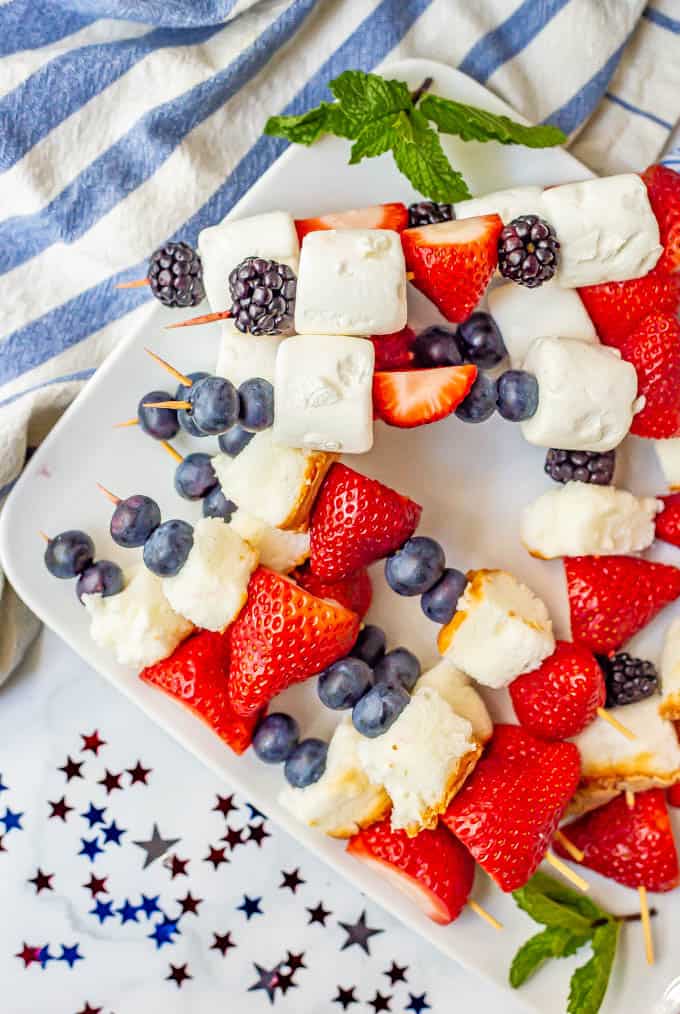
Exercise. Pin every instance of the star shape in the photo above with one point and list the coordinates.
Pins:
(396, 973)
(250, 906)
(70, 955)
(179, 974)
(164, 932)
(11, 820)
(189, 904)
(418, 1003)
(268, 981)
(96, 885)
(257, 833)
(128, 912)
(319, 914)
(286, 982)
(71, 768)
(139, 774)
(294, 961)
(222, 943)
(225, 805)
(216, 857)
(380, 1002)
(42, 881)
(2, 847)
(60, 809)
(28, 954)
(3, 787)
(176, 866)
(93, 742)
(255, 813)
(345, 997)
(90, 1010)
(111, 781)
(90, 848)
(234, 837)
(113, 833)
(103, 910)
(94, 815)
(43, 956)
(155, 846)
(292, 880)
(149, 905)
(359, 933)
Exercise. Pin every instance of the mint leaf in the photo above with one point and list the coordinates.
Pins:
(366, 97)
(543, 909)
(419, 155)
(551, 943)
(589, 983)
(328, 118)
(374, 139)
(542, 883)
(472, 124)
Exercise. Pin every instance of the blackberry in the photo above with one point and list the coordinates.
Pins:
(176, 275)
(628, 679)
(527, 251)
(263, 296)
(580, 466)
(429, 213)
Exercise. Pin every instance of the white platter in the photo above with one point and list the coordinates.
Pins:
(471, 480)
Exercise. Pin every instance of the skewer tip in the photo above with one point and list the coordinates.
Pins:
(206, 318)
(108, 494)
(128, 422)
(568, 874)
(614, 722)
(183, 379)
(171, 450)
(646, 925)
(43, 536)
(576, 854)
(475, 907)
(136, 284)
(167, 404)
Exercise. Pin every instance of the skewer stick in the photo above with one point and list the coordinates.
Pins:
(128, 422)
(568, 874)
(43, 536)
(137, 284)
(107, 493)
(630, 799)
(207, 318)
(614, 722)
(167, 404)
(410, 275)
(576, 854)
(646, 925)
(171, 450)
(483, 914)
(187, 381)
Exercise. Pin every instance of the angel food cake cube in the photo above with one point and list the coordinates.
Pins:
(278, 550)
(668, 453)
(457, 690)
(500, 629)
(242, 356)
(351, 282)
(507, 204)
(670, 674)
(324, 393)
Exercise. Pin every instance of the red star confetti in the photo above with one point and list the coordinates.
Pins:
(90, 1010)
(93, 742)
(179, 974)
(96, 885)
(71, 768)
(139, 774)
(42, 881)
(216, 857)
(28, 954)
(222, 943)
(111, 781)
(225, 804)
(189, 904)
(60, 809)
(176, 866)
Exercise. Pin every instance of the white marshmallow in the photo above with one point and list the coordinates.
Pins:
(523, 315)
(499, 631)
(351, 282)
(422, 760)
(508, 204)
(606, 229)
(224, 246)
(279, 550)
(139, 624)
(457, 690)
(242, 356)
(670, 673)
(212, 586)
(343, 800)
(324, 394)
(581, 519)
(668, 453)
(586, 395)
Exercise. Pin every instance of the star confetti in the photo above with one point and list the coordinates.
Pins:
(3, 787)
(72, 768)
(103, 910)
(11, 820)
(111, 781)
(128, 912)
(28, 954)
(359, 933)
(189, 904)
(225, 805)
(90, 1010)
(90, 848)
(42, 881)
(149, 905)
(234, 837)
(113, 833)
(418, 1003)
(222, 943)
(292, 880)
(138, 774)
(176, 866)
(164, 932)
(155, 846)
(96, 885)
(2, 846)
(94, 815)
(257, 833)
(380, 1002)
(60, 809)
(216, 857)
(179, 974)
(255, 813)
(294, 961)
(345, 997)
(93, 742)
(396, 973)
(268, 981)
(319, 914)
(250, 906)
(70, 955)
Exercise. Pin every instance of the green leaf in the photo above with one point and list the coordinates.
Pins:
(366, 97)
(420, 157)
(556, 890)
(553, 942)
(589, 983)
(307, 128)
(374, 139)
(472, 124)
(551, 913)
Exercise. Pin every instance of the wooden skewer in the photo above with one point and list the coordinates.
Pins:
(207, 318)
(137, 284)
(483, 914)
(614, 722)
(43, 536)
(568, 874)
(187, 381)
(646, 925)
(569, 847)
(107, 493)
(128, 422)
(167, 404)
(171, 450)
(630, 799)
(410, 275)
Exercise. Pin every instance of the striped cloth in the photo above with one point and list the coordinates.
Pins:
(124, 123)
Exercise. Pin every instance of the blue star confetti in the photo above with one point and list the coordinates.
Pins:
(149, 905)
(94, 815)
(113, 833)
(418, 1004)
(90, 848)
(11, 820)
(164, 932)
(128, 912)
(44, 956)
(3, 787)
(250, 906)
(103, 910)
(70, 955)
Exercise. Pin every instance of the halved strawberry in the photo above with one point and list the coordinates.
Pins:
(653, 348)
(378, 216)
(433, 868)
(452, 262)
(663, 188)
(414, 397)
(667, 523)
(394, 351)
(354, 591)
(616, 308)
(673, 795)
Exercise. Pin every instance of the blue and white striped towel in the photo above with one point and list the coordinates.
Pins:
(127, 122)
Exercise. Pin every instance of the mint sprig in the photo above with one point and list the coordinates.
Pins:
(380, 115)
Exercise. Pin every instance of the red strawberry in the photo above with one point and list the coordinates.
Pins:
(433, 868)
(673, 795)
(654, 350)
(196, 675)
(616, 308)
(668, 521)
(394, 351)
(612, 597)
(353, 592)
(355, 521)
(508, 810)
(663, 188)
(452, 262)
(415, 397)
(561, 697)
(632, 845)
(379, 216)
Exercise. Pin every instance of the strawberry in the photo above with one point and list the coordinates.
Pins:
(452, 262)
(612, 597)
(616, 308)
(379, 216)
(673, 795)
(433, 868)
(196, 675)
(353, 592)
(414, 397)
(508, 810)
(654, 350)
(394, 351)
(355, 521)
(283, 635)
(632, 845)
(663, 188)
(561, 697)
(667, 525)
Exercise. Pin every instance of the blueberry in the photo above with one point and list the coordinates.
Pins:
(166, 550)
(398, 667)
(184, 418)
(415, 567)
(234, 440)
(69, 553)
(257, 404)
(439, 603)
(195, 476)
(343, 683)
(159, 423)
(216, 505)
(275, 738)
(101, 578)
(517, 395)
(214, 404)
(306, 763)
(437, 346)
(480, 340)
(379, 708)
(133, 521)
(480, 403)
(369, 645)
